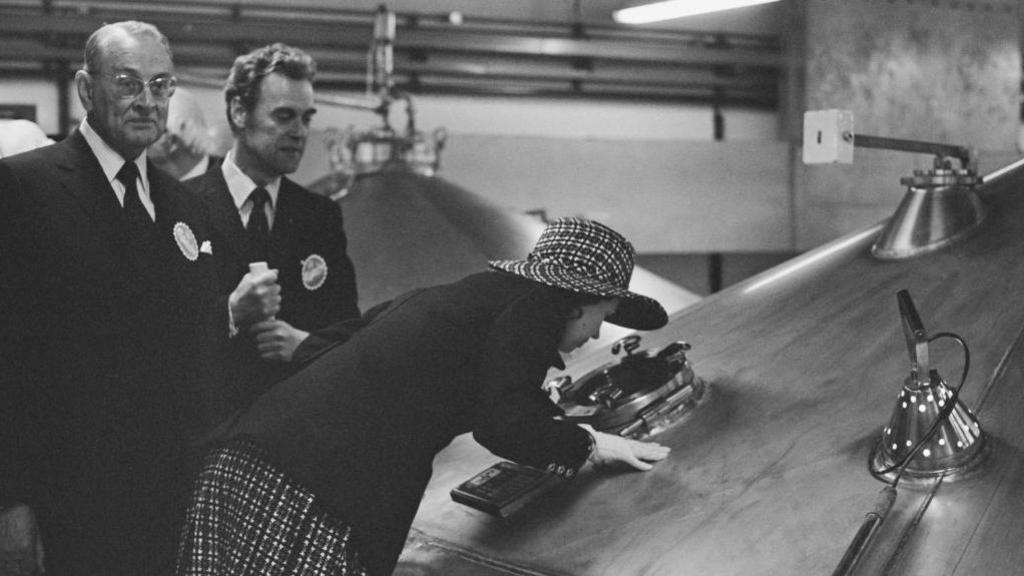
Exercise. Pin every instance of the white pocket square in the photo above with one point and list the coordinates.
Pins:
(206, 247)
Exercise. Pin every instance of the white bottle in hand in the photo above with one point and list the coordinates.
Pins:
(258, 268)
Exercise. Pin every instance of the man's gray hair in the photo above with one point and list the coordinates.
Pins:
(97, 40)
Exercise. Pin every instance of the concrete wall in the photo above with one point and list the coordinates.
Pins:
(940, 70)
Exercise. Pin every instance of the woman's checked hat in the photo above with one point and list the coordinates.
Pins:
(588, 257)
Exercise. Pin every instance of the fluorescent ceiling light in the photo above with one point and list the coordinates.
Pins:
(669, 9)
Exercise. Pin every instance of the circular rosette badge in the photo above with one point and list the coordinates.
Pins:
(314, 272)
(186, 241)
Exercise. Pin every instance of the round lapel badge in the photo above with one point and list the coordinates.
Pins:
(314, 271)
(186, 241)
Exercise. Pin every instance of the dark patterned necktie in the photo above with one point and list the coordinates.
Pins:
(258, 227)
(139, 222)
(143, 249)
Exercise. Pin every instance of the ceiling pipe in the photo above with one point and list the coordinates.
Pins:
(430, 55)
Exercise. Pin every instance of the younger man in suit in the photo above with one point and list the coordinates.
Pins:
(264, 216)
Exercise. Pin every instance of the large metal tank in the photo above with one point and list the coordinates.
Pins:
(804, 363)
(406, 231)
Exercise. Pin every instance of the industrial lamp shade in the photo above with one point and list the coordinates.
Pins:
(939, 207)
(957, 443)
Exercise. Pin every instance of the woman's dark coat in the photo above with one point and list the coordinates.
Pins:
(361, 424)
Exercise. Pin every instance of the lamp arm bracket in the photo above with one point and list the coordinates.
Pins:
(968, 157)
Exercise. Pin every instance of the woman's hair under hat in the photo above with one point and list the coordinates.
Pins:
(590, 258)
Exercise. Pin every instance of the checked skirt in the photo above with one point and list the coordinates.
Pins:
(247, 518)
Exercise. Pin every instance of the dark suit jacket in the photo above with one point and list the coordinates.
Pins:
(361, 424)
(307, 227)
(104, 363)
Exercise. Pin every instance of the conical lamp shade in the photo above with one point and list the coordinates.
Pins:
(938, 209)
(956, 445)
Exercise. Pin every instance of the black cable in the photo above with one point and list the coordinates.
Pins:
(887, 497)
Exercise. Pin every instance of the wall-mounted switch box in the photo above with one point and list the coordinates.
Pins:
(828, 136)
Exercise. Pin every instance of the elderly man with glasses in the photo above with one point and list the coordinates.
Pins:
(111, 330)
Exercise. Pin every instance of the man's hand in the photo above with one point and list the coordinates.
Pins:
(277, 340)
(21, 548)
(257, 297)
(610, 448)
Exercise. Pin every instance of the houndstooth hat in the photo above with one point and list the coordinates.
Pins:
(588, 257)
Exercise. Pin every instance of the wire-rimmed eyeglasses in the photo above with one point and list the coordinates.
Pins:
(128, 86)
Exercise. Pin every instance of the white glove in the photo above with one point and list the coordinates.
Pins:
(610, 448)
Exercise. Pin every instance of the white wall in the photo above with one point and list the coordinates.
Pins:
(570, 119)
(549, 118)
(41, 93)
(552, 118)
(652, 171)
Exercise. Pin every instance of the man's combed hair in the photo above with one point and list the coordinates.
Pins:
(97, 40)
(248, 71)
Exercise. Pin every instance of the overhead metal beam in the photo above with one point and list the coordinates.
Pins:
(491, 57)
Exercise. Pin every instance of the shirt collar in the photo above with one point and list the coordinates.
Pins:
(240, 185)
(109, 159)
